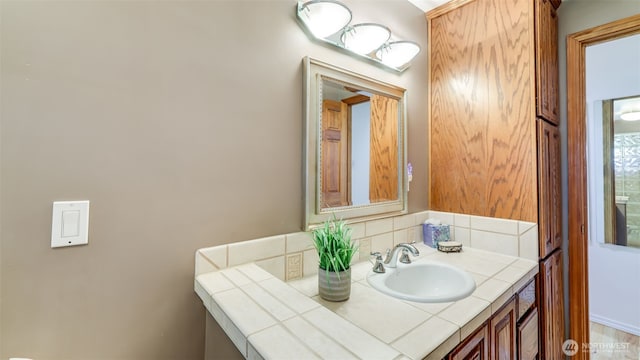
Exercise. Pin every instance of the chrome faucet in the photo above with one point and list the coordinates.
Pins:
(378, 267)
(392, 255)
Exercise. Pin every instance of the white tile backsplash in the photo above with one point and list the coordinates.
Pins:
(490, 241)
(310, 262)
(509, 237)
(529, 244)
(444, 217)
(217, 255)
(382, 242)
(461, 220)
(502, 226)
(248, 251)
(462, 235)
(403, 222)
(420, 217)
(524, 226)
(204, 265)
(400, 236)
(299, 241)
(380, 226)
(357, 230)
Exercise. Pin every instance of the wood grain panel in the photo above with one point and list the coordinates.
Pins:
(482, 133)
(475, 347)
(383, 158)
(502, 328)
(526, 298)
(552, 307)
(549, 189)
(547, 61)
(528, 337)
(335, 191)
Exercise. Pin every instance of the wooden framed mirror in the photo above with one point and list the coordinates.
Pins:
(354, 146)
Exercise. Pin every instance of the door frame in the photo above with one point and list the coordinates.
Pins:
(577, 169)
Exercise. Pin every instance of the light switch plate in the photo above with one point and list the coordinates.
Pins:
(70, 223)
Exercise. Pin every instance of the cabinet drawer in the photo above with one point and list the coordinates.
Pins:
(528, 337)
(526, 298)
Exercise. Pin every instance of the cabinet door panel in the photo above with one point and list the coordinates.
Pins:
(552, 307)
(503, 333)
(546, 61)
(549, 188)
(528, 337)
(482, 148)
(475, 347)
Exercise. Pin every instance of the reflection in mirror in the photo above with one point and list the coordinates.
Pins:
(359, 146)
(621, 134)
(355, 161)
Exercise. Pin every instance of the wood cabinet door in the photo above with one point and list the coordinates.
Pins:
(334, 154)
(549, 189)
(475, 347)
(481, 93)
(546, 30)
(551, 307)
(528, 337)
(503, 333)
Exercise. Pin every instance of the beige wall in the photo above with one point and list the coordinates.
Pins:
(181, 122)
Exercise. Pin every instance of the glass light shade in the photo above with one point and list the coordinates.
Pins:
(630, 116)
(397, 54)
(324, 17)
(364, 38)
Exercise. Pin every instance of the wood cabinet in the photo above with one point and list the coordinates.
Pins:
(546, 40)
(502, 326)
(549, 189)
(528, 337)
(482, 114)
(475, 347)
(551, 306)
(493, 68)
(495, 339)
(493, 134)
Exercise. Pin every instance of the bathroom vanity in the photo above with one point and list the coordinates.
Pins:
(268, 318)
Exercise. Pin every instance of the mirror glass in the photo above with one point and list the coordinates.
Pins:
(355, 145)
(621, 145)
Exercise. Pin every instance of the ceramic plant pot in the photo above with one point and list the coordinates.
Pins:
(334, 286)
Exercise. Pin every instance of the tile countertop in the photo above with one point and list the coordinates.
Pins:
(267, 318)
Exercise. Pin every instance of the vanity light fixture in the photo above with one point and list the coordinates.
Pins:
(398, 53)
(324, 17)
(365, 38)
(328, 21)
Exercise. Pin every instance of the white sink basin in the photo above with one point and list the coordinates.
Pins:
(424, 281)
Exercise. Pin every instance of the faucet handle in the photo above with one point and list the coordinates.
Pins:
(404, 258)
(378, 267)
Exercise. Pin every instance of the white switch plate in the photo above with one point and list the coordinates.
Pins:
(70, 223)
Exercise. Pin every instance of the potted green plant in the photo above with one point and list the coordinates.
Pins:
(335, 250)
